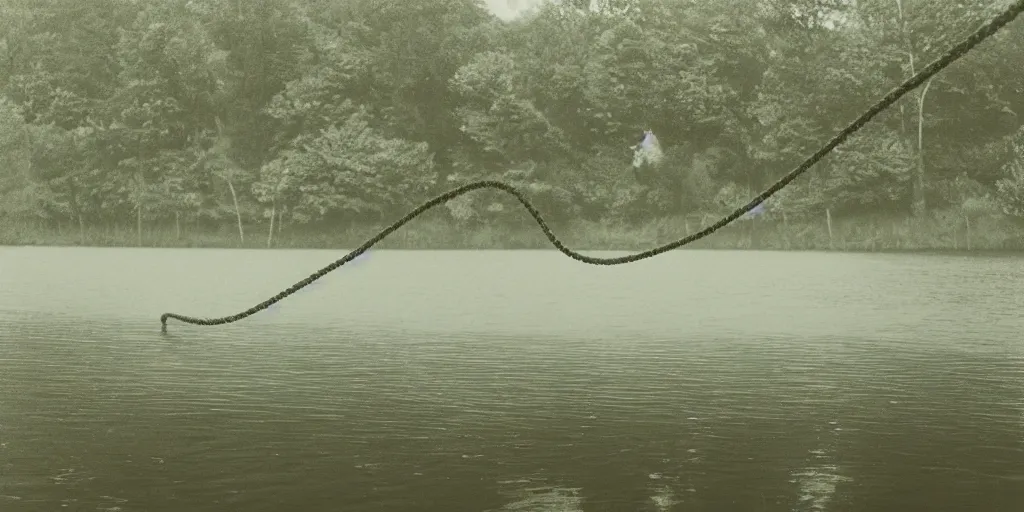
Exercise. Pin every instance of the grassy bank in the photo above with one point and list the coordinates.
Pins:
(937, 232)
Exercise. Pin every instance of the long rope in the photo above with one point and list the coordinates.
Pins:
(945, 60)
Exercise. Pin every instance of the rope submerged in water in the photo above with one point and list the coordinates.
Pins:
(942, 62)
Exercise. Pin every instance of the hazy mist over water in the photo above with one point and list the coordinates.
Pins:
(501, 380)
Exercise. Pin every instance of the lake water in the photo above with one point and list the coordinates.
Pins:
(486, 381)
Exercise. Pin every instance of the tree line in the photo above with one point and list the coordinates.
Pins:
(286, 113)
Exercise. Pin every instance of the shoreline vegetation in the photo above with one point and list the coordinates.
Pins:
(856, 234)
(628, 123)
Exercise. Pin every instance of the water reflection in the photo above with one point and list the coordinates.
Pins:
(527, 495)
(817, 481)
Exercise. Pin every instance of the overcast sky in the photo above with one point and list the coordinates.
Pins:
(508, 9)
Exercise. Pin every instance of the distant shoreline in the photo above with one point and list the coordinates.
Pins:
(858, 234)
(344, 250)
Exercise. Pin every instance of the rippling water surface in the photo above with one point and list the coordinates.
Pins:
(487, 381)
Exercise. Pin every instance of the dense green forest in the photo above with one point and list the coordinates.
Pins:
(315, 122)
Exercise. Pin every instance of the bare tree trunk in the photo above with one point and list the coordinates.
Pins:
(903, 27)
(968, 234)
(270, 232)
(828, 223)
(785, 230)
(919, 193)
(919, 205)
(238, 212)
(138, 209)
(138, 224)
(228, 171)
(752, 238)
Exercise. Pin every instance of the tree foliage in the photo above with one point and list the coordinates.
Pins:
(231, 112)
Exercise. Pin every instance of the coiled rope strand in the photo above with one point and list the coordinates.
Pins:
(954, 53)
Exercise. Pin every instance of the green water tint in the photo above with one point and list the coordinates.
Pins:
(722, 381)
